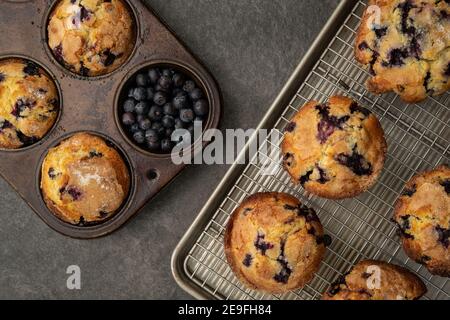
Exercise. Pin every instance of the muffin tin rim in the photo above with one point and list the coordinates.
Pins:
(52, 77)
(176, 64)
(70, 73)
(95, 226)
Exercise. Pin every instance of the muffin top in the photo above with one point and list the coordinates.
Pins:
(91, 37)
(376, 280)
(408, 50)
(423, 216)
(273, 243)
(29, 103)
(84, 180)
(334, 150)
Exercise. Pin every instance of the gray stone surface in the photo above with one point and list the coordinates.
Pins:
(251, 46)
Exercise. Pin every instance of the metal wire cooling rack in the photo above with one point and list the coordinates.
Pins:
(418, 138)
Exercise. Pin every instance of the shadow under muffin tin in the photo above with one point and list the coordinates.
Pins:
(92, 105)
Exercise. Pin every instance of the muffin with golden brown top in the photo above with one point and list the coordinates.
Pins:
(84, 180)
(91, 37)
(423, 216)
(29, 103)
(407, 49)
(376, 280)
(273, 243)
(334, 150)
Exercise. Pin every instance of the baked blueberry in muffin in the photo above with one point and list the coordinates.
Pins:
(334, 150)
(84, 180)
(376, 280)
(29, 103)
(274, 243)
(408, 49)
(423, 216)
(91, 37)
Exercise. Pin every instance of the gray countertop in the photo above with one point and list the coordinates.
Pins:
(251, 47)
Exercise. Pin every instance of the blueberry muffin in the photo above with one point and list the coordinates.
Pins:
(91, 37)
(423, 215)
(408, 49)
(84, 180)
(376, 280)
(29, 103)
(273, 243)
(334, 150)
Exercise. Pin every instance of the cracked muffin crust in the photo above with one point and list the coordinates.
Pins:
(29, 103)
(273, 243)
(408, 52)
(334, 150)
(423, 215)
(84, 180)
(91, 37)
(376, 280)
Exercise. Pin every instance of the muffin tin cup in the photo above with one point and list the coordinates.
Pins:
(91, 105)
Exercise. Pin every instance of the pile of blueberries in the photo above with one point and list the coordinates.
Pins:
(159, 101)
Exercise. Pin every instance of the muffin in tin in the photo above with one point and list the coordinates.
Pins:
(273, 243)
(29, 103)
(376, 280)
(334, 150)
(408, 49)
(91, 37)
(84, 180)
(423, 215)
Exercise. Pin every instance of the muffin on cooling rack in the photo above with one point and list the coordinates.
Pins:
(423, 216)
(334, 150)
(84, 180)
(29, 103)
(376, 280)
(91, 37)
(407, 49)
(273, 243)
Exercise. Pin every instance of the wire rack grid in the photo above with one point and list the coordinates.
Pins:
(417, 136)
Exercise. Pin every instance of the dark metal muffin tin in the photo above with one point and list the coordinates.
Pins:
(91, 104)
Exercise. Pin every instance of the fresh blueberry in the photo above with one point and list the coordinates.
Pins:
(140, 94)
(142, 80)
(134, 128)
(139, 137)
(187, 115)
(178, 80)
(168, 122)
(160, 98)
(150, 93)
(189, 86)
(196, 94)
(201, 108)
(180, 102)
(153, 75)
(142, 108)
(151, 136)
(139, 118)
(169, 132)
(170, 110)
(158, 127)
(128, 119)
(165, 82)
(179, 124)
(167, 72)
(155, 113)
(166, 145)
(145, 124)
(153, 146)
(128, 105)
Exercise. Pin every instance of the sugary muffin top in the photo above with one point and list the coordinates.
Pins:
(408, 49)
(91, 37)
(29, 103)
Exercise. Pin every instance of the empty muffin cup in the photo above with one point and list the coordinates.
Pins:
(156, 101)
(84, 180)
(91, 38)
(29, 103)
